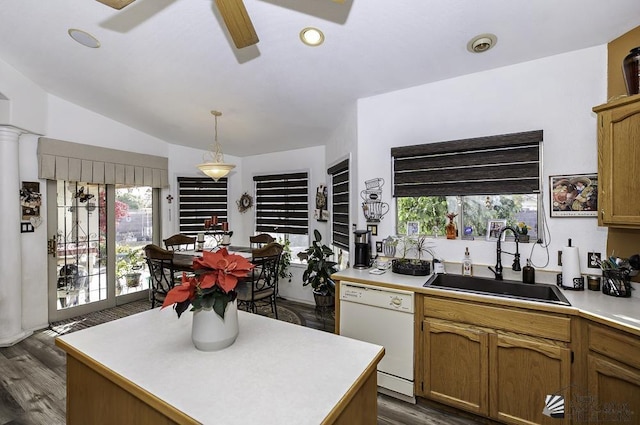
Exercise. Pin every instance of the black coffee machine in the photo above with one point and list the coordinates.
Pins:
(363, 249)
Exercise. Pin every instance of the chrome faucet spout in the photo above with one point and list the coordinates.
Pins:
(516, 257)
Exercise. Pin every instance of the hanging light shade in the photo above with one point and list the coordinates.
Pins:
(215, 167)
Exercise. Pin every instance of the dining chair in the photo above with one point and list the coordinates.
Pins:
(180, 242)
(162, 272)
(261, 286)
(258, 241)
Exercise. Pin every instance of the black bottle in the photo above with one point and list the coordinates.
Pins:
(528, 273)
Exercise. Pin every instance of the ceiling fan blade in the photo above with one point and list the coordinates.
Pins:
(238, 22)
(116, 4)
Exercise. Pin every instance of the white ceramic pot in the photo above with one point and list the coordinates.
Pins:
(210, 333)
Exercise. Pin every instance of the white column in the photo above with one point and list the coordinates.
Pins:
(11, 330)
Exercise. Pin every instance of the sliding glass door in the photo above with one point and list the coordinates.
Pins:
(97, 233)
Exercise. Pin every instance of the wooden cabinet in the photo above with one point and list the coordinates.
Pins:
(497, 362)
(524, 371)
(619, 163)
(456, 360)
(613, 376)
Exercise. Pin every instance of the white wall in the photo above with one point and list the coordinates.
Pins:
(554, 94)
(27, 101)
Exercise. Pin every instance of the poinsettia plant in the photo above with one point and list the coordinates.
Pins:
(211, 285)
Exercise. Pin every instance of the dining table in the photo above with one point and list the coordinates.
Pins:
(183, 260)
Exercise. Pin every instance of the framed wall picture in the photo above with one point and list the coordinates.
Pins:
(493, 229)
(30, 200)
(413, 228)
(574, 196)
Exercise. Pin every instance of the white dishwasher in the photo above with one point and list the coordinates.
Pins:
(385, 317)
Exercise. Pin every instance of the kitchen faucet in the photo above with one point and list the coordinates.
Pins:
(516, 257)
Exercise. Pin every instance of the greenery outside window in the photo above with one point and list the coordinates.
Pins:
(474, 212)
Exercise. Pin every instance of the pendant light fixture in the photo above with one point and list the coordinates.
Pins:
(215, 167)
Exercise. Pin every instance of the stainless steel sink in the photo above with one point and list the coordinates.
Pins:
(503, 288)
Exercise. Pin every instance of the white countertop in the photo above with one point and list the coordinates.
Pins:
(623, 313)
(275, 372)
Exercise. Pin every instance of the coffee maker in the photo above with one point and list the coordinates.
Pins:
(363, 249)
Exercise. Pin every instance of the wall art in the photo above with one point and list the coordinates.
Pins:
(30, 200)
(574, 195)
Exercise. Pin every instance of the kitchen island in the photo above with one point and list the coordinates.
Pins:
(144, 369)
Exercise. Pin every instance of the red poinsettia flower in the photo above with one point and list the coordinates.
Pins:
(213, 283)
(222, 269)
(180, 293)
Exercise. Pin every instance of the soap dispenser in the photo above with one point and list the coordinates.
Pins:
(528, 273)
(467, 265)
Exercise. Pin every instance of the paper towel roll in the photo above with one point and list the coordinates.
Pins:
(570, 265)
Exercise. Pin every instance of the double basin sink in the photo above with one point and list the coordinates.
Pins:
(502, 288)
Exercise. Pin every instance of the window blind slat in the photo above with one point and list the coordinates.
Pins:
(282, 203)
(199, 198)
(503, 164)
(340, 204)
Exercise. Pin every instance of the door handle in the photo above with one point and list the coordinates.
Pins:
(52, 246)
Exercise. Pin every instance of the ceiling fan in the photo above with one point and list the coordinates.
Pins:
(233, 13)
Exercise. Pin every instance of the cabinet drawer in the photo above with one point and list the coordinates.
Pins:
(545, 325)
(615, 344)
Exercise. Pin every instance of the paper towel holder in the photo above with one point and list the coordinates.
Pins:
(578, 282)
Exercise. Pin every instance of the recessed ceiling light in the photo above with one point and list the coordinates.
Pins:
(481, 43)
(312, 36)
(84, 38)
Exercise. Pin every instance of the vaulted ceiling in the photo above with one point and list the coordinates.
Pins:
(163, 65)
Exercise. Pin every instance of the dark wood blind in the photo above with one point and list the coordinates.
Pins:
(282, 203)
(199, 198)
(504, 164)
(340, 204)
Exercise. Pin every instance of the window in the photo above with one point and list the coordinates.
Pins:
(340, 204)
(282, 205)
(200, 198)
(495, 177)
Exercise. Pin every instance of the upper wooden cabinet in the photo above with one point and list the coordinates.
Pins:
(619, 163)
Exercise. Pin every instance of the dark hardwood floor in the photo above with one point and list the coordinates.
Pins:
(33, 383)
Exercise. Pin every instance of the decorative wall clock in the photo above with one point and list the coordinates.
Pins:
(245, 202)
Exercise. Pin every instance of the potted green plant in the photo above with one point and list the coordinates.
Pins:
(319, 271)
(285, 259)
(129, 264)
(413, 266)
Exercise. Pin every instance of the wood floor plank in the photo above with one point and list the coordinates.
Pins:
(39, 392)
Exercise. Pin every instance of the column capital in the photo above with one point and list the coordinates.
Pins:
(9, 132)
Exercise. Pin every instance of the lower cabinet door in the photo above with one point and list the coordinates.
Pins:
(456, 365)
(528, 374)
(614, 394)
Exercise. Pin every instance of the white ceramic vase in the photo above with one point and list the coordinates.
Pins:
(210, 333)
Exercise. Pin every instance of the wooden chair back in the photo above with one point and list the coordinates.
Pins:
(161, 272)
(180, 242)
(258, 241)
(262, 285)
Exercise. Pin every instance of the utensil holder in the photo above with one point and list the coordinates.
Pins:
(616, 282)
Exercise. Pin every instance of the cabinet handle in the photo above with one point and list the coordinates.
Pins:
(602, 213)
